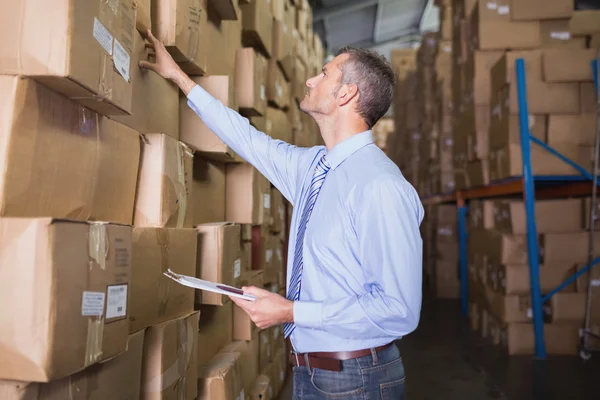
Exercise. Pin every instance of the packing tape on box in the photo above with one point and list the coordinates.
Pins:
(183, 151)
(164, 285)
(97, 244)
(95, 334)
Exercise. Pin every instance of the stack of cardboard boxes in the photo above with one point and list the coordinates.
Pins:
(109, 180)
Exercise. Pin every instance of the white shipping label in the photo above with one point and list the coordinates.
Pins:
(122, 60)
(92, 304)
(503, 10)
(116, 301)
(237, 268)
(531, 121)
(279, 90)
(492, 6)
(262, 92)
(279, 255)
(267, 200)
(281, 376)
(103, 36)
(560, 35)
(269, 255)
(242, 396)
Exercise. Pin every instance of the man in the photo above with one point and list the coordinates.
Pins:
(354, 271)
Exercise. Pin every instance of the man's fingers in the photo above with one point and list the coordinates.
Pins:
(151, 36)
(147, 65)
(149, 45)
(253, 290)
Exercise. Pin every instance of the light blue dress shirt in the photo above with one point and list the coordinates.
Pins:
(361, 283)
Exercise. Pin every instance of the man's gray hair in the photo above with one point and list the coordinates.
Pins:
(374, 77)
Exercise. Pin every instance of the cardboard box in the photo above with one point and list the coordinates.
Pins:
(221, 378)
(78, 300)
(278, 90)
(507, 162)
(552, 216)
(513, 279)
(208, 188)
(532, 10)
(518, 339)
(247, 195)
(282, 46)
(585, 22)
(154, 299)
(181, 25)
(114, 378)
(143, 21)
(478, 173)
(568, 308)
(546, 98)
(277, 125)
(251, 74)
(568, 65)
(248, 360)
(227, 9)
(223, 39)
(484, 61)
(164, 188)
(587, 98)
(555, 33)
(90, 163)
(215, 331)
(574, 129)
(265, 349)
(257, 26)
(195, 133)
(155, 100)
(262, 389)
(170, 369)
(243, 327)
(299, 88)
(218, 258)
(507, 130)
(481, 214)
(91, 42)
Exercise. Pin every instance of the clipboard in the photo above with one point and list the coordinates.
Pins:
(201, 284)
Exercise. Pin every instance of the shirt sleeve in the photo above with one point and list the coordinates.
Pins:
(278, 161)
(390, 250)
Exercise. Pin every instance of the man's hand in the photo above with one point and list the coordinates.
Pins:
(268, 309)
(165, 66)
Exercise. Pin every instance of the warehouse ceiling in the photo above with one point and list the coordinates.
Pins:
(368, 23)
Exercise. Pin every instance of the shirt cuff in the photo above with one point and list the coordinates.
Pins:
(198, 99)
(307, 314)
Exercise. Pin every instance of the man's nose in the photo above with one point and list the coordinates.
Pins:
(310, 82)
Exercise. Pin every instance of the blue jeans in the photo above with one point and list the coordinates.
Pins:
(374, 377)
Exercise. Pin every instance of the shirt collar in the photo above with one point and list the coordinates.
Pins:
(347, 147)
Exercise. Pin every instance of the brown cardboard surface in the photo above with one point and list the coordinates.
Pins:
(155, 101)
(504, 70)
(478, 173)
(248, 360)
(82, 36)
(299, 88)
(265, 349)
(117, 377)
(559, 339)
(59, 323)
(555, 33)
(574, 129)
(251, 74)
(223, 40)
(568, 65)
(227, 9)
(218, 258)
(572, 247)
(257, 26)
(278, 90)
(506, 130)
(532, 10)
(284, 36)
(262, 389)
(547, 98)
(170, 365)
(143, 21)
(568, 308)
(243, 327)
(215, 331)
(500, 35)
(181, 25)
(587, 98)
(154, 298)
(552, 216)
(514, 279)
(585, 22)
(208, 188)
(90, 163)
(277, 211)
(164, 188)
(221, 378)
(247, 195)
(484, 61)
(195, 133)
(481, 214)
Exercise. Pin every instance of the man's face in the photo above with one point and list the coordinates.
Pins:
(320, 97)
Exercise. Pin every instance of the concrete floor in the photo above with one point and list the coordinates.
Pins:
(443, 359)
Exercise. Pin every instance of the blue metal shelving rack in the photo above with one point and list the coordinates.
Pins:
(528, 185)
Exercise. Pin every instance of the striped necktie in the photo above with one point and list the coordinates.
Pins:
(296, 280)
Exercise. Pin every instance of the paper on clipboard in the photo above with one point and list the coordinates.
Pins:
(196, 283)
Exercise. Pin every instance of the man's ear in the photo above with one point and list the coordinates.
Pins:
(347, 93)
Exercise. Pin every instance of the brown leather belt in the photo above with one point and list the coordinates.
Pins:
(331, 361)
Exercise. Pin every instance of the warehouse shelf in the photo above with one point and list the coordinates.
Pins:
(530, 187)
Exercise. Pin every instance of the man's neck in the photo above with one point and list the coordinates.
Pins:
(336, 130)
